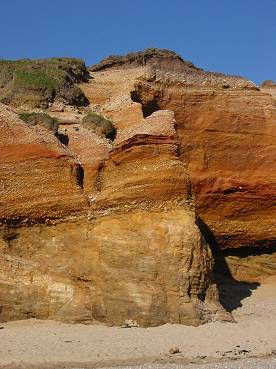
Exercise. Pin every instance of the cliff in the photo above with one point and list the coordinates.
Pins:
(226, 127)
(134, 229)
(134, 253)
(39, 176)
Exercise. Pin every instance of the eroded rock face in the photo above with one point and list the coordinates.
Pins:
(228, 143)
(226, 127)
(99, 231)
(39, 176)
(145, 167)
(90, 150)
(269, 87)
(144, 266)
(136, 254)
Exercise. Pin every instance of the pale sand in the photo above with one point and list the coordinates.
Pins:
(49, 344)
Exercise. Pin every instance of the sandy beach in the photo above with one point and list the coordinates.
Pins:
(49, 344)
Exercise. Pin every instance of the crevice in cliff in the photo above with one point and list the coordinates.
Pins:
(63, 138)
(80, 176)
(231, 292)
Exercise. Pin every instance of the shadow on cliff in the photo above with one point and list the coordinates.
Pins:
(231, 291)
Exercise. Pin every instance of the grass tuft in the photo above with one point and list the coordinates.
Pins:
(41, 119)
(98, 124)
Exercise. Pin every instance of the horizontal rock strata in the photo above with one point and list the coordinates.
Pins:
(39, 176)
(100, 231)
(226, 127)
(136, 254)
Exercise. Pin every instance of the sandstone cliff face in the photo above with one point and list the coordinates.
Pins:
(145, 167)
(228, 142)
(150, 267)
(90, 151)
(226, 128)
(252, 265)
(135, 253)
(98, 231)
(269, 87)
(39, 177)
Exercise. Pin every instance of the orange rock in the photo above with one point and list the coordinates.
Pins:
(228, 143)
(148, 266)
(226, 127)
(191, 147)
(140, 257)
(90, 151)
(39, 177)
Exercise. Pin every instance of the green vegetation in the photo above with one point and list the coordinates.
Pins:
(35, 80)
(36, 83)
(41, 119)
(98, 124)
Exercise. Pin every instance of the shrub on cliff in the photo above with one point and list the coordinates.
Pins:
(98, 124)
(41, 119)
(37, 83)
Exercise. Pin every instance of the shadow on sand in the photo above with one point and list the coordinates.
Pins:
(231, 291)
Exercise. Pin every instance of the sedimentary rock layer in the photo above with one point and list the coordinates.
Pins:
(90, 150)
(228, 143)
(39, 176)
(149, 267)
(99, 231)
(136, 254)
(226, 127)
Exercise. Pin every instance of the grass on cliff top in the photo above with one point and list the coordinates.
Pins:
(41, 119)
(43, 79)
(138, 58)
(35, 80)
(99, 125)
(53, 67)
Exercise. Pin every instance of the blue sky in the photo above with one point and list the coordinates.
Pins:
(230, 36)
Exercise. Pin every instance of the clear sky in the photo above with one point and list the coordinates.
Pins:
(230, 36)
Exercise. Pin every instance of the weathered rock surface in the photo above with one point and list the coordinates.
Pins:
(166, 59)
(145, 266)
(227, 130)
(228, 142)
(90, 150)
(145, 167)
(136, 255)
(39, 176)
(113, 232)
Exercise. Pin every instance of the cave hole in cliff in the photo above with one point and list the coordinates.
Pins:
(231, 292)
(148, 107)
(63, 138)
(80, 176)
